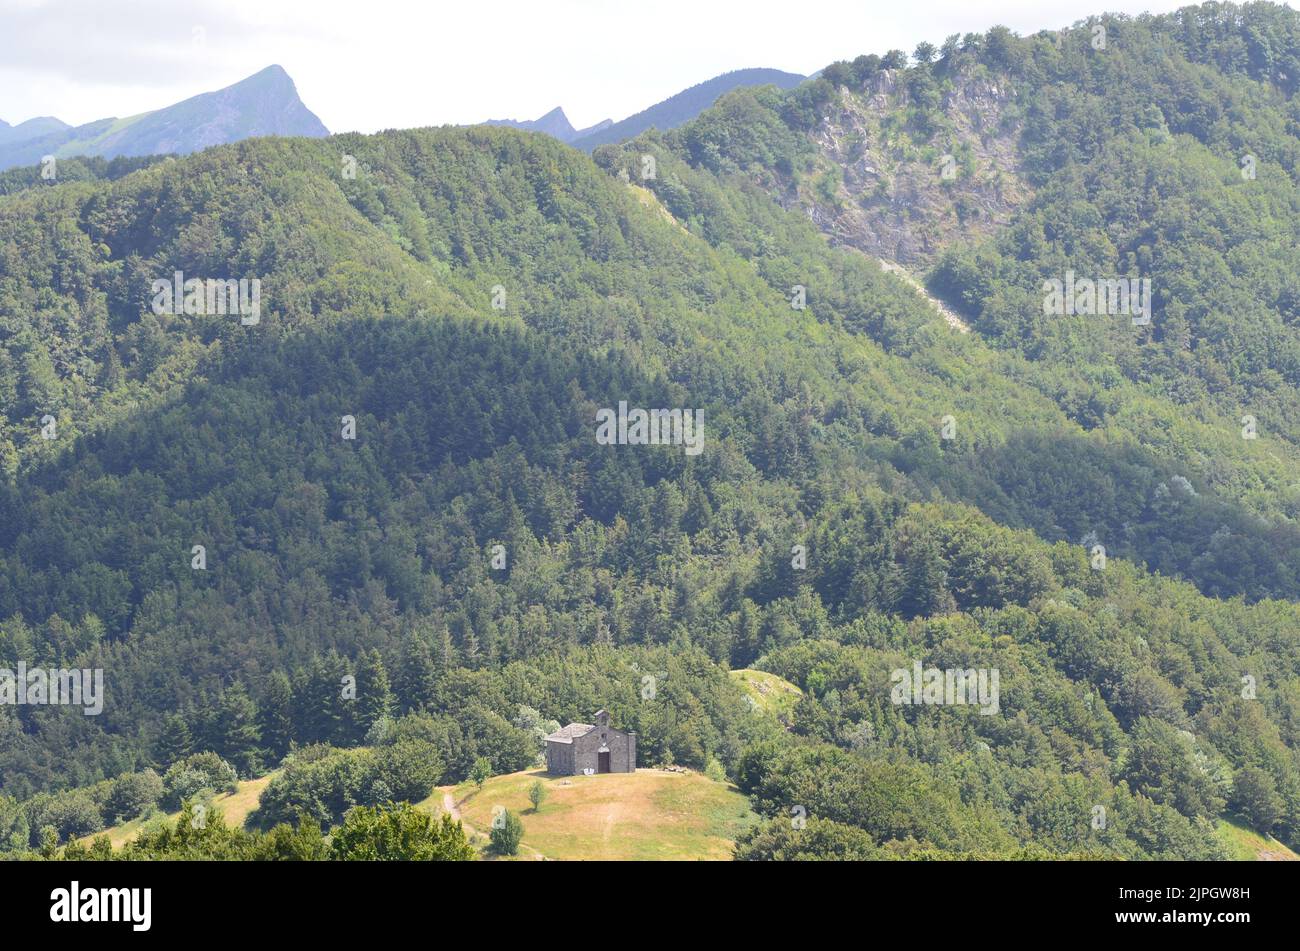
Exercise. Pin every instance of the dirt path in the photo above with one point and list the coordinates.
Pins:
(612, 816)
(944, 310)
(449, 806)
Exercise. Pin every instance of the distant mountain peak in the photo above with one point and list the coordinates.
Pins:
(271, 76)
(555, 123)
(684, 106)
(31, 129)
(265, 103)
(670, 113)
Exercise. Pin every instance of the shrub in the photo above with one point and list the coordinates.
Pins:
(186, 778)
(133, 794)
(69, 814)
(507, 830)
(323, 787)
(399, 834)
(537, 794)
(409, 768)
(779, 840)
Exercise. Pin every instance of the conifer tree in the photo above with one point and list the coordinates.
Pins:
(417, 678)
(174, 742)
(374, 694)
(239, 736)
(275, 713)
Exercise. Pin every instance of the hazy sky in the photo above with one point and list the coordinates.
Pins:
(373, 64)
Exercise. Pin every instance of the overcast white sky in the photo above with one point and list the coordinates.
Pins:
(366, 65)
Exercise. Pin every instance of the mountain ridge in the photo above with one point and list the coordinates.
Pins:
(265, 103)
(687, 104)
(30, 129)
(555, 124)
(666, 114)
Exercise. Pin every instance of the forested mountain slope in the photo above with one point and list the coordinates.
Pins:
(470, 298)
(1000, 163)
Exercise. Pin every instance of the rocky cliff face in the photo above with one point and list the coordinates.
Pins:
(903, 193)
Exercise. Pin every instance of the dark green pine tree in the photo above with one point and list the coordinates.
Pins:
(469, 649)
(301, 681)
(444, 654)
(374, 695)
(204, 722)
(111, 375)
(174, 743)
(275, 714)
(322, 703)
(239, 738)
(748, 640)
(417, 676)
(925, 590)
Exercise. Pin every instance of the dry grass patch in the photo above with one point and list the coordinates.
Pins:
(234, 808)
(646, 815)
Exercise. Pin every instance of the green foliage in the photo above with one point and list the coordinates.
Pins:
(537, 794)
(205, 836)
(532, 722)
(174, 741)
(1254, 795)
(481, 772)
(64, 815)
(409, 769)
(1167, 765)
(133, 794)
(507, 831)
(187, 777)
(15, 836)
(401, 834)
(817, 840)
